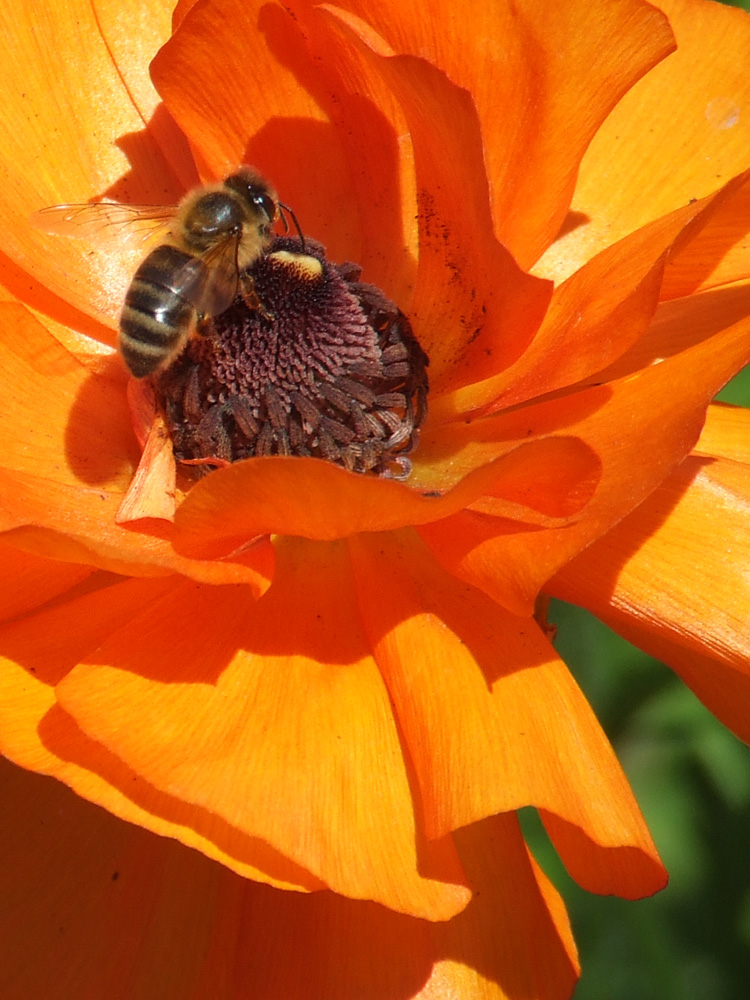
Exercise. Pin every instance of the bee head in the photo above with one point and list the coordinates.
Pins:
(256, 194)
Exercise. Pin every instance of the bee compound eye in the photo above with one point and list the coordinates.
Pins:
(267, 205)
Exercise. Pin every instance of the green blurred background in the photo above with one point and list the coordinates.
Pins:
(691, 777)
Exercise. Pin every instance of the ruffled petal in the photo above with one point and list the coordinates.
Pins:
(474, 688)
(538, 482)
(91, 906)
(64, 472)
(31, 581)
(474, 310)
(683, 323)
(38, 652)
(132, 42)
(726, 433)
(375, 221)
(655, 580)
(89, 903)
(542, 78)
(316, 102)
(487, 309)
(639, 418)
(257, 104)
(70, 525)
(339, 949)
(82, 435)
(601, 311)
(232, 713)
(680, 133)
(71, 132)
(720, 253)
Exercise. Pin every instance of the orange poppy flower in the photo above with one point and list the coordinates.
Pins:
(333, 686)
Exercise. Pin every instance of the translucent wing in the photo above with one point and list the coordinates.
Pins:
(104, 221)
(211, 282)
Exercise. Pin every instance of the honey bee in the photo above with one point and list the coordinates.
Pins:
(210, 239)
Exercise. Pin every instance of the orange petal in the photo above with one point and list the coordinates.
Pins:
(254, 105)
(323, 945)
(90, 903)
(315, 499)
(132, 52)
(601, 310)
(63, 141)
(143, 910)
(726, 433)
(655, 575)
(37, 653)
(61, 423)
(181, 9)
(542, 78)
(485, 551)
(231, 714)
(680, 133)
(71, 525)
(68, 454)
(151, 492)
(718, 255)
(32, 581)
(640, 427)
(475, 689)
(374, 137)
(683, 323)
(474, 310)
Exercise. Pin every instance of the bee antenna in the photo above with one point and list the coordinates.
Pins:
(286, 208)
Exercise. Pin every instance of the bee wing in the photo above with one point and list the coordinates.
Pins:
(211, 282)
(130, 225)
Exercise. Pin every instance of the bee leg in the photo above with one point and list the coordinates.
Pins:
(251, 299)
(205, 327)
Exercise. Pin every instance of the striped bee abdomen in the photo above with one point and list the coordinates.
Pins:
(160, 309)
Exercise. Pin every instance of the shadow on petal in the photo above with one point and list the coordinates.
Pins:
(133, 798)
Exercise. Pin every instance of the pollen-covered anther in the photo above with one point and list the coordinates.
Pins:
(327, 368)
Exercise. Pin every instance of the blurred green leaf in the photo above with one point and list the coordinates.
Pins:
(738, 390)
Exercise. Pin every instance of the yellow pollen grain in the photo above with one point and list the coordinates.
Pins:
(307, 268)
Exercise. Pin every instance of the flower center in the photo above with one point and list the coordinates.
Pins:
(309, 361)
